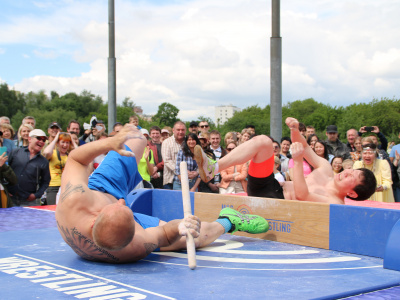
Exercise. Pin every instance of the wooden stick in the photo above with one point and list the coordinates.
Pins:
(187, 211)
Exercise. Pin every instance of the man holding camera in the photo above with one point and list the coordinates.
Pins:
(375, 130)
(91, 130)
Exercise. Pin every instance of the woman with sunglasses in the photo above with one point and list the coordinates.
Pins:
(233, 179)
(57, 153)
(381, 170)
(186, 154)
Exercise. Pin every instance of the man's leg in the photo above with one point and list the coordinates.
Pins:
(118, 175)
(258, 149)
(137, 146)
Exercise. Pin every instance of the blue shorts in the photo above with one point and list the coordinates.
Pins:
(118, 175)
(146, 221)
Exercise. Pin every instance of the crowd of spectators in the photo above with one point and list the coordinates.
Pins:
(32, 162)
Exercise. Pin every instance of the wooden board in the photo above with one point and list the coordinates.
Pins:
(294, 222)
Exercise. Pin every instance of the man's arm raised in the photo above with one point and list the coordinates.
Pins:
(311, 157)
(299, 183)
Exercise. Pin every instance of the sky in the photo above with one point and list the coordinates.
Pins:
(198, 54)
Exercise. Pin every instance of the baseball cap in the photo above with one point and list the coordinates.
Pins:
(193, 123)
(203, 135)
(52, 124)
(164, 130)
(331, 129)
(144, 131)
(37, 132)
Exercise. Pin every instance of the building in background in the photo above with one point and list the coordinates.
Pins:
(224, 112)
(139, 111)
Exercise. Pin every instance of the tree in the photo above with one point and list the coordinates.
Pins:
(10, 101)
(166, 115)
(253, 115)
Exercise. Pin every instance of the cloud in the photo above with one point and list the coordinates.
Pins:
(200, 54)
(51, 54)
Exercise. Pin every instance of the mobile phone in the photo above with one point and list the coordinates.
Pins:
(2, 150)
(368, 128)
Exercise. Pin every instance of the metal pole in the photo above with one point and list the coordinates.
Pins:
(112, 69)
(276, 74)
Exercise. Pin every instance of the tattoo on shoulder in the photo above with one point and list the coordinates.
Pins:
(70, 189)
(85, 247)
(150, 247)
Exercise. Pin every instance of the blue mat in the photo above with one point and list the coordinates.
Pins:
(35, 263)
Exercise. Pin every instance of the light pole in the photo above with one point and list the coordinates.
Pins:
(112, 68)
(276, 74)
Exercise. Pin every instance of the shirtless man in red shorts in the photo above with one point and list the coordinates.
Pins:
(320, 186)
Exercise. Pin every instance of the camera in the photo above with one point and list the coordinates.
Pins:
(93, 121)
(368, 128)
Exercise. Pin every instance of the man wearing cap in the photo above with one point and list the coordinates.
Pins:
(145, 132)
(334, 145)
(164, 134)
(193, 127)
(204, 140)
(31, 169)
(52, 130)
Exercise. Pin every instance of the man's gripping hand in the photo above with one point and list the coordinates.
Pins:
(128, 132)
(191, 224)
(292, 123)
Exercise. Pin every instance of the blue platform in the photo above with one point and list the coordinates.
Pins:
(35, 263)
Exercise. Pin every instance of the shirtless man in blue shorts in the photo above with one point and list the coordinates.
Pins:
(319, 186)
(95, 222)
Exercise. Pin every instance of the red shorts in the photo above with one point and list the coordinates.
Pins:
(261, 180)
(262, 169)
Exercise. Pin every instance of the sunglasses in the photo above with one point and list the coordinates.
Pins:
(229, 149)
(276, 147)
(41, 138)
(204, 126)
(367, 151)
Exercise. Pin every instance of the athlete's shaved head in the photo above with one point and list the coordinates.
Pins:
(114, 227)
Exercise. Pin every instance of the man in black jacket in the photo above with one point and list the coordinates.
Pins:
(31, 169)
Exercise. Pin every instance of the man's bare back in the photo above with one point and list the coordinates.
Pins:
(76, 213)
(79, 207)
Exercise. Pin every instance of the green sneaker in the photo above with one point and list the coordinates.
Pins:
(206, 165)
(247, 223)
